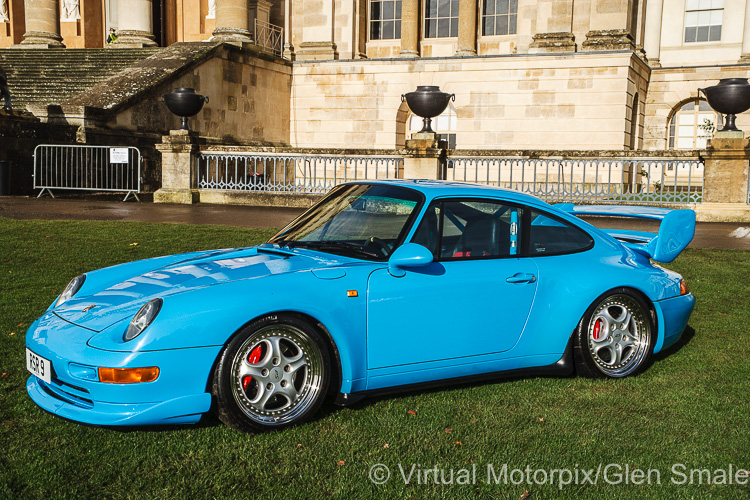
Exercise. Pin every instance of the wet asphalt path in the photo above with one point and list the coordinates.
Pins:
(707, 234)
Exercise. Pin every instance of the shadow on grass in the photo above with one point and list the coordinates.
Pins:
(686, 337)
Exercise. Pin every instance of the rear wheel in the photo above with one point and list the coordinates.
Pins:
(615, 337)
(274, 373)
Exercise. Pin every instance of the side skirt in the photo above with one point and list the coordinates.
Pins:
(562, 368)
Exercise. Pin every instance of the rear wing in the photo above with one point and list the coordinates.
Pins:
(676, 230)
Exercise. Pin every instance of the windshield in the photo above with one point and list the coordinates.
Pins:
(366, 221)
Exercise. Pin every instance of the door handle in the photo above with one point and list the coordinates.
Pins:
(521, 278)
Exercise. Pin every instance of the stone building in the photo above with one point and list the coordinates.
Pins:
(527, 74)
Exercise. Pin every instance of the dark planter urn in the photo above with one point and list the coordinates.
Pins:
(730, 97)
(428, 102)
(184, 102)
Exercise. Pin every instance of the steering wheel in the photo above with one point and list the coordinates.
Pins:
(381, 245)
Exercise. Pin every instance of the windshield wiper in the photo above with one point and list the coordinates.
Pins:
(334, 245)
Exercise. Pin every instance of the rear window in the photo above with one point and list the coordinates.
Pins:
(552, 236)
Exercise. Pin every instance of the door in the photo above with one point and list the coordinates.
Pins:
(474, 299)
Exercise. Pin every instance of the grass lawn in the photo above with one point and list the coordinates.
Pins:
(689, 410)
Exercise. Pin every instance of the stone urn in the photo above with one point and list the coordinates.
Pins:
(428, 102)
(730, 97)
(184, 102)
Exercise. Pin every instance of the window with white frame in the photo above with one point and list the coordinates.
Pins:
(499, 17)
(443, 125)
(692, 125)
(703, 19)
(441, 18)
(385, 19)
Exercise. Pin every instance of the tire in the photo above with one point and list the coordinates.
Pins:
(615, 337)
(273, 374)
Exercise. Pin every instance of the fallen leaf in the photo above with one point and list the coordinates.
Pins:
(4, 375)
(386, 445)
(341, 462)
(459, 443)
(412, 412)
(448, 431)
(20, 324)
(541, 419)
(46, 236)
(134, 244)
(525, 495)
(299, 445)
(12, 333)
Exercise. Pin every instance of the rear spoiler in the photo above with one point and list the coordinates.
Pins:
(676, 230)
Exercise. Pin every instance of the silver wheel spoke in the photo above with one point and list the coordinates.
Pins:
(246, 369)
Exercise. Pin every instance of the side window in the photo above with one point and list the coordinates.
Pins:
(470, 229)
(552, 236)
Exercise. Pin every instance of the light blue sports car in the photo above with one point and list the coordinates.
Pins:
(382, 286)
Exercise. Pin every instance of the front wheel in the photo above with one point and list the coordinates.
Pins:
(273, 374)
(615, 337)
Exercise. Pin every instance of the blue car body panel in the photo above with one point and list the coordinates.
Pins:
(403, 326)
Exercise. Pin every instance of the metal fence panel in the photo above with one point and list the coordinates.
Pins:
(91, 168)
(290, 173)
(631, 180)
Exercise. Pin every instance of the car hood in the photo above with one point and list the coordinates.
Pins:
(122, 298)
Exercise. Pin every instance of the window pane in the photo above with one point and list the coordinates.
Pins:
(375, 31)
(444, 8)
(690, 34)
(714, 34)
(501, 25)
(691, 19)
(454, 26)
(703, 106)
(702, 34)
(375, 11)
(704, 4)
(444, 26)
(512, 25)
(431, 28)
(388, 10)
(388, 30)
(691, 5)
(398, 9)
(488, 26)
(454, 8)
(514, 6)
(398, 29)
(704, 18)
(432, 8)
(551, 236)
(489, 7)
(502, 6)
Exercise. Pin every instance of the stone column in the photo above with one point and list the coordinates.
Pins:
(746, 36)
(42, 25)
(652, 38)
(467, 28)
(178, 174)
(232, 22)
(288, 45)
(410, 28)
(136, 27)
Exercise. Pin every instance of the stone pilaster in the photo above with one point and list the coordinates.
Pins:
(652, 36)
(232, 22)
(410, 28)
(424, 157)
(467, 28)
(726, 176)
(179, 176)
(745, 58)
(553, 42)
(135, 24)
(42, 25)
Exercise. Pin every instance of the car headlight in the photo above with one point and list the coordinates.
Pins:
(142, 319)
(70, 290)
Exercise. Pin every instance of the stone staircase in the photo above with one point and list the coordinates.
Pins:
(52, 76)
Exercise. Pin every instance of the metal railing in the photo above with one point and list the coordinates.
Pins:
(91, 168)
(290, 173)
(632, 180)
(269, 37)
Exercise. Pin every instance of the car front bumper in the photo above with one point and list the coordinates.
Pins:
(179, 395)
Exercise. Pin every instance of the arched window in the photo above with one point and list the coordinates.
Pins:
(692, 124)
(443, 125)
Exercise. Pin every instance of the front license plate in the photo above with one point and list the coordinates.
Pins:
(39, 366)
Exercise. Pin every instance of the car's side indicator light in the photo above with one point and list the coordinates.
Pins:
(684, 288)
(351, 293)
(128, 375)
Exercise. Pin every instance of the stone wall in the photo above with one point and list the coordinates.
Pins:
(550, 101)
(671, 87)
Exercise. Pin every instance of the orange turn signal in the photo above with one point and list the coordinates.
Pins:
(684, 288)
(351, 293)
(128, 375)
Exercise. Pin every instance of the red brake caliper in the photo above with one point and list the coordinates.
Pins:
(597, 329)
(253, 358)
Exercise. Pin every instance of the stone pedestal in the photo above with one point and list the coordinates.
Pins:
(608, 40)
(179, 175)
(553, 42)
(726, 176)
(232, 22)
(424, 157)
(135, 24)
(42, 25)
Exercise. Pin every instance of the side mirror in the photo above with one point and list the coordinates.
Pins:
(408, 255)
